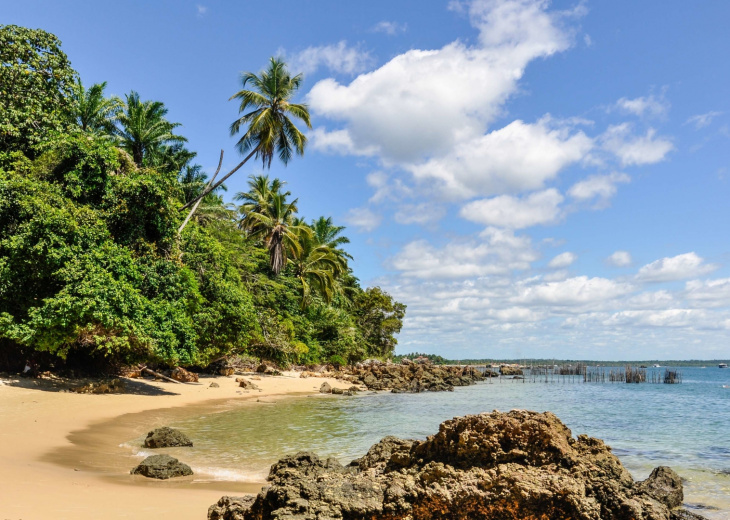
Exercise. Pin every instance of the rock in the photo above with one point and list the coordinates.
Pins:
(508, 370)
(214, 385)
(353, 389)
(244, 383)
(166, 437)
(337, 391)
(230, 508)
(326, 388)
(182, 375)
(406, 361)
(226, 371)
(683, 514)
(518, 465)
(162, 467)
(664, 485)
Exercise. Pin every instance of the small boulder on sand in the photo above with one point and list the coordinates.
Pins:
(162, 467)
(166, 437)
(184, 376)
(325, 388)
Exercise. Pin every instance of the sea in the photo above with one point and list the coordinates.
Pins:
(685, 426)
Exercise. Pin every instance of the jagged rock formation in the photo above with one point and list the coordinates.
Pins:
(184, 376)
(166, 437)
(162, 467)
(509, 466)
(412, 377)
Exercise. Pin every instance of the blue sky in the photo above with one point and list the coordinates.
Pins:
(532, 178)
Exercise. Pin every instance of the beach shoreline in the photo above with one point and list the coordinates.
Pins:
(62, 456)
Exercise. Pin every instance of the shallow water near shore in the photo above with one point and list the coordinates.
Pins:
(685, 426)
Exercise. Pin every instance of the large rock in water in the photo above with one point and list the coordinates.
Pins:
(162, 467)
(518, 465)
(166, 437)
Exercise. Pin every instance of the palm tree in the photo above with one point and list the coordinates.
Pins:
(257, 197)
(317, 267)
(274, 225)
(329, 234)
(143, 129)
(267, 110)
(90, 110)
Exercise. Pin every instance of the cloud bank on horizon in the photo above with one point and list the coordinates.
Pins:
(488, 279)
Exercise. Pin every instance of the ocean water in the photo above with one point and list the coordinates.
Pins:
(685, 426)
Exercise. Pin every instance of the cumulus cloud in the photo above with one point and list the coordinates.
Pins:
(619, 259)
(363, 219)
(702, 120)
(390, 28)
(563, 260)
(338, 57)
(674, 268)
(495, 252)
(598, 187)
(713, 293)
(513, 212)
(515, 158)
(423, 102)
(635, 150)
(650, 106)
(579, 290)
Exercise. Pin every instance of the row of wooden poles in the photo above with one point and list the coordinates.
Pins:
(583, 373)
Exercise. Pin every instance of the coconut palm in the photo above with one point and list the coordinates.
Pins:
(327, 233)
(317, 267)
(274, 225)
(90, 110)
(267, 109)
(143, 130)
(257, 197)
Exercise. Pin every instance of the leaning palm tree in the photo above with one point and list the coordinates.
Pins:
(143, 130)
(90, 110)
(274, 225)
(267, 109)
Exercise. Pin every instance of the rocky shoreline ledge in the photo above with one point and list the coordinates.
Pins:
(518, 465)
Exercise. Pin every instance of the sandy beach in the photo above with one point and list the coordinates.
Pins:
(61, 456)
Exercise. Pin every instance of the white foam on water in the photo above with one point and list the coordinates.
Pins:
(229, 475)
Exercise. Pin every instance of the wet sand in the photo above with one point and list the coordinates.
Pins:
(61, 456)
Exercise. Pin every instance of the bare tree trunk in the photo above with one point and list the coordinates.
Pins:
(195, 207)
(211, 188)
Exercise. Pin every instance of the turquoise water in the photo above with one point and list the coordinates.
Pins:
(685, 426)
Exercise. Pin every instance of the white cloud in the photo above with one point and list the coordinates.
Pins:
(513, 212)
(390, 28)
(563, 260)
(635, 150)
(620, 259)
(650, 106)
(702, 120)
(495, 253)
(587, 40)
(678, 267)
(201, 9)
(338, 58)
(579, 290)
(518, 157)
(601, 187)
(363, 219)
(709, 292)
(423, 213)
(423, 102)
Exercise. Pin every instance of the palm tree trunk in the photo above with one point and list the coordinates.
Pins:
(211, 188)
(195, 207)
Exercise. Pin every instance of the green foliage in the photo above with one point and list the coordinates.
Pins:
(36, 82)
(91, 260)
(380, 318)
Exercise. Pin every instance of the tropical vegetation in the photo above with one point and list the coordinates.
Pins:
(102, 261)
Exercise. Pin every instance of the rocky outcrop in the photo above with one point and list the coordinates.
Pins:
(184, 376)
(112, 386)
(162, 467)
(245, 383)
(412, 377)
(230, 508)
(507, 370)
(518, 465)
(166, 437)
(325, 388)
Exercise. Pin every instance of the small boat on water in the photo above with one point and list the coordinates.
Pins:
(722, 365)
(656, 366)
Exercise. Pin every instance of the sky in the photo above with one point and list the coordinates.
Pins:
(533, 179)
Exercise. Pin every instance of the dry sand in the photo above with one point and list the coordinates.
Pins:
(60, 454)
